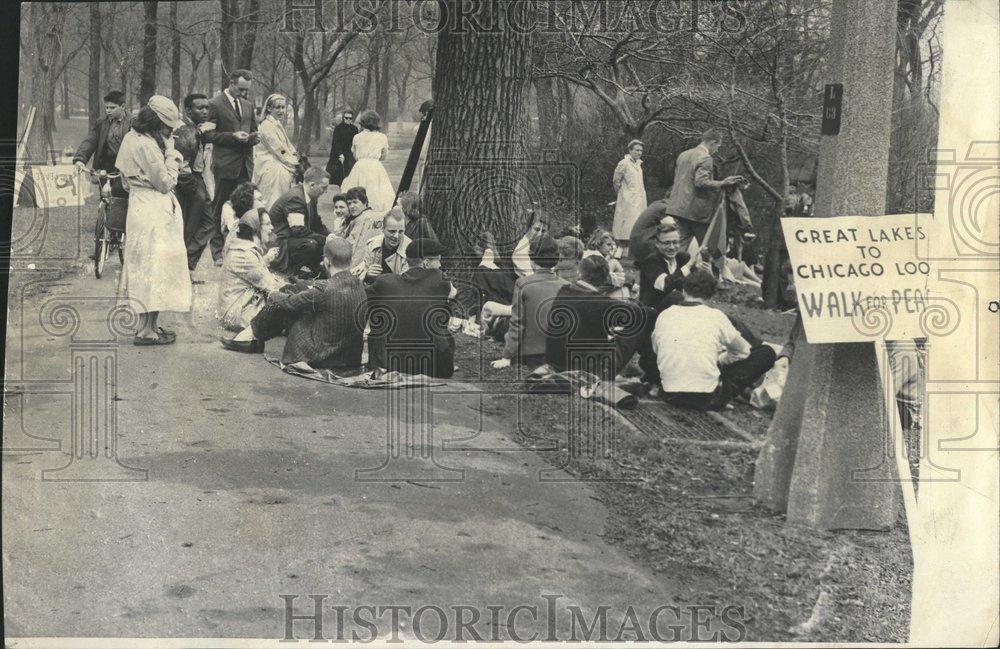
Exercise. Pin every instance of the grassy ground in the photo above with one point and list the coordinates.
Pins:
(686, 512)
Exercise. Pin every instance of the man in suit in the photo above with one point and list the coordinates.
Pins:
(695, 192)
(324, 322)
(297, 225)
(232, 141)
(409, 315)
(104, 138)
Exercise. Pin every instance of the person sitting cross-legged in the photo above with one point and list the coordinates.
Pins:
(385, 252)
(589, 331)
(524, 341)
(704, 360)
(322, 320)
(409, 315)
(246, 280)
(298, 227)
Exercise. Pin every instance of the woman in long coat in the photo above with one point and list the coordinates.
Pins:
(631, 189)
(274, 156)
(341, 156)
(155, 274)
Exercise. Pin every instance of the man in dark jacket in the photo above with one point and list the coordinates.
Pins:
(589, 331)
(662, 272)
(324, 322)
(341, 157)
(191, 191)
(695, 192)
(104, 138)
(409, 315)
(232, 141)
(297, 225)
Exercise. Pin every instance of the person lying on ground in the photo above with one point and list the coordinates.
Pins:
(385, 252)
(298, 228)
(589, 331)
(602, 243)
(570, 253)
(524, 339)
(704, 360)
(246, 280)
(323, 321)
(409, 314)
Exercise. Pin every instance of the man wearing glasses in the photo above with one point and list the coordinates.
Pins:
(341, 159)
(662, 272)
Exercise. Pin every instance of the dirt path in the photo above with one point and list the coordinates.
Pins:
(251, 493)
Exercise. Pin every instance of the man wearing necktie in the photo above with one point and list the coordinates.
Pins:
(232, 141)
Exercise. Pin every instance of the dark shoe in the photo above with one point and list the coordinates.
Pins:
(246, 346)
(162, 338)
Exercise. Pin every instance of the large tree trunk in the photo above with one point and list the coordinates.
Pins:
(107, 39)
(147, 82)
(94, 71)
(175, 56)
(212, 86)
(251, 23)
(226, 10)
(548, 113)
(480, 92)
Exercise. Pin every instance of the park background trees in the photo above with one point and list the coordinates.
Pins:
(590, 76)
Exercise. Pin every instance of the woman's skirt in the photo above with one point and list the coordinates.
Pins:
(371, 175)
(272, 179)
(155, 274)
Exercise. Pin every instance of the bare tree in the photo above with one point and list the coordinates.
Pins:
(94, 70)
(147, 80)
(175, 55)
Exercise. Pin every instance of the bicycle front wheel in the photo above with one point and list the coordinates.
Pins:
(101, 242)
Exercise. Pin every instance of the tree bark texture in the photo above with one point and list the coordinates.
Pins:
(478, 173)
(94, 79)
(147, 81)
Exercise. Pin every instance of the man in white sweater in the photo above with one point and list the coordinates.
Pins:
(704, 360)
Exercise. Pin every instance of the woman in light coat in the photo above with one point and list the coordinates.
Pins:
(274, 156)
(155, 274)
(631, 190)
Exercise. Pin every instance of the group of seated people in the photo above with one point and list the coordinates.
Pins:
(555, 302)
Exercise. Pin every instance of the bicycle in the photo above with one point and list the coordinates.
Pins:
(109, 231)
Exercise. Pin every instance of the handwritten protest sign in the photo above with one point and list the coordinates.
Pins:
(859, 278)
(59, 186)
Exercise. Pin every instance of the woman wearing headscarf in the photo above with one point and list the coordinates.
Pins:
(246, 280)
(274, 156)
(155, 274)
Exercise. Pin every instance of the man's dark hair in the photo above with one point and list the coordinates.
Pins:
(357, 193)
(712, 135)
(189, 100)
(115, 97)
(700, 284)
(242, 198)
(595, 271)
(236, 75)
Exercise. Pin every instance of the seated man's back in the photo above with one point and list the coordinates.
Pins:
(329, 331)
(689, 339)
(409, 315)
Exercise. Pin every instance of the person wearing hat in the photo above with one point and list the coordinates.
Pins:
(324, 322)
(409, 315)
(155, 273)
(246, 280)
(524, 341)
